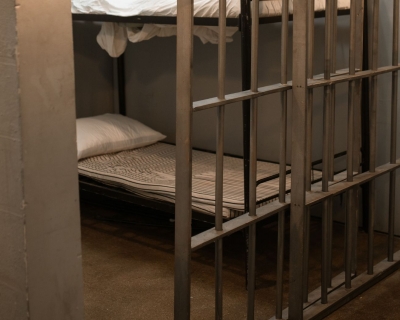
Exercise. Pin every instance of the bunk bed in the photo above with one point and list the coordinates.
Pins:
(134, 16)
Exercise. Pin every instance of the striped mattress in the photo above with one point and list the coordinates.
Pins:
(150, 172)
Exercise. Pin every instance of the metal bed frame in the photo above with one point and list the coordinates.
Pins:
(243, 22)
(334, 291)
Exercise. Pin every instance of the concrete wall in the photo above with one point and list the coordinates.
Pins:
(40, 264)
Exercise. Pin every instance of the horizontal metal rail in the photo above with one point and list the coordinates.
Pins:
(198, 21)
(315, 196)
(209, 236)
(315, 83)
(239, 96)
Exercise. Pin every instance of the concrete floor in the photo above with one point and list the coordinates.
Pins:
(128, 270)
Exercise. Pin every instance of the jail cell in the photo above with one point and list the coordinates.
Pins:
(361, 79)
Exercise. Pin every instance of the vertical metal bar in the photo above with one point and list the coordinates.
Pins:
(283, 137)
(310, 102)
(350, 140)
(298, 175)
(393, 132)
(324, 255)
(365, 118)
(121, 84)
(359, 65)
(253, 160)
(327, 132)
(282, 161)
(310, 75)
(279, 266)
(245, 28)
(348, 239)
(218, 278)
(220, 159)
(372, 129)
(183, 207)
(333, 92)
(306, 254)
(327, 96)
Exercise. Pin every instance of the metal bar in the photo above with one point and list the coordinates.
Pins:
(324, 255)
(209, 236)
(282, 161)
(310, 101)
(316, 196)
(350, 146)
(299, 123)
(283, 137)
(393, 132)
(240, 96)
(348, 238)
(345, 78)
(365, 116)
(121, 84)
(270, 89)
(183, 207)
(327, 131)
(333, 90)
(218, 278)
(372, 129)
(330, 242)
(341, 295)
(279, 265)
(306, 254)
(371, 223)
(253, 161)
(219, 181)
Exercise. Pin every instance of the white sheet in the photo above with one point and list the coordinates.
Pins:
(113, 37)
(202, 8)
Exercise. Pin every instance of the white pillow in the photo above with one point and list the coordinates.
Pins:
(112, 133)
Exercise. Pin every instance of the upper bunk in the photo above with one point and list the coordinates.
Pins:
(165, 11)
(139, 20)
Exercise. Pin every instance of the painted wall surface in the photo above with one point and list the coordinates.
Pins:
(40, 265)
(150, 77)
(13, 283)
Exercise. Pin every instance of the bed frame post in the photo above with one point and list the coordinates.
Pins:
(299, 156)
(121, 84)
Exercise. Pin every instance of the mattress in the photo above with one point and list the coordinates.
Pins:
(150, 172)
(113, 37)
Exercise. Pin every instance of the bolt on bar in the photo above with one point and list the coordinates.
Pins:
(282, 160)
(372, 129)
(219, 180)
(393, 131)
(183, 207)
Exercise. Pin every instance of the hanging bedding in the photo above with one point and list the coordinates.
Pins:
(113, 37)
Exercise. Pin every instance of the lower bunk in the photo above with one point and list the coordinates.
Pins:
(148, 173)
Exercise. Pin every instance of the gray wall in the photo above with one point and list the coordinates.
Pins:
(40, 250)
